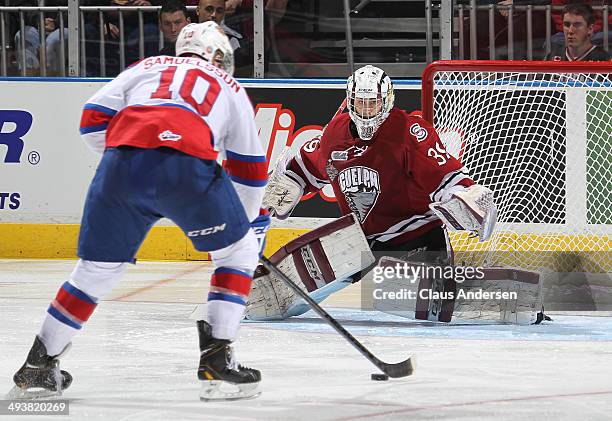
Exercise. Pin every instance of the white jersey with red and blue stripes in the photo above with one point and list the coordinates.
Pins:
(185, 104)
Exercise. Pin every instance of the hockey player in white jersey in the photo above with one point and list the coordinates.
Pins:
(160, 126)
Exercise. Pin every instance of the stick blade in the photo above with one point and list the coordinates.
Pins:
(402, 369)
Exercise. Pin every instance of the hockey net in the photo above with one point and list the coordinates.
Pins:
(539, 134)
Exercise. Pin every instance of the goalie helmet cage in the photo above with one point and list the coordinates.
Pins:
(539, 134)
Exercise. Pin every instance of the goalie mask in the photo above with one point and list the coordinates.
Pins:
(208, 41)
(369, 96)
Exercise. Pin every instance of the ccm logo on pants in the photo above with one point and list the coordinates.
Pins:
(206, 231)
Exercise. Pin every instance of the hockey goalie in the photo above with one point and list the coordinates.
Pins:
(398, 189)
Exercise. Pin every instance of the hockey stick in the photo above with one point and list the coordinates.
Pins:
(402, 369)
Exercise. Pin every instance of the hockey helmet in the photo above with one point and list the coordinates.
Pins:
(208, 41)
(369, 96)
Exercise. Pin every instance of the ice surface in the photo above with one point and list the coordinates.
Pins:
(136, 357)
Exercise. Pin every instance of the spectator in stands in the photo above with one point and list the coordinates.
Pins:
(557, 17)
(94, 45)
(578, 23)
(211, 10)
(236, 19)
(32, 45)
(53, 51)
(132, 31)
(173, 17)
(52, 44)
(598, 35)
(215, 10)
(12, 21)
(111, 35)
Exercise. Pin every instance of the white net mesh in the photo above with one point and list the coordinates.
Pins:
(541, 140)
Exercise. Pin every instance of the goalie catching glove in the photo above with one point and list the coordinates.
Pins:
(471, 209)
(284, 189)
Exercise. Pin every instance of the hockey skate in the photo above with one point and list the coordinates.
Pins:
(221, 376)
(40, 376)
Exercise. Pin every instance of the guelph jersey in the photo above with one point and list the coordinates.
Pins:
(388, 181)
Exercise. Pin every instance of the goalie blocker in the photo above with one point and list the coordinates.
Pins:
(418, 291)
(320, 262)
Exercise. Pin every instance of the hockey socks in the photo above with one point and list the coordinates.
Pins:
(229, 289)
(65, 316)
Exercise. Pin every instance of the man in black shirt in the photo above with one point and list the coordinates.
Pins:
(172, 18)
(578, 20)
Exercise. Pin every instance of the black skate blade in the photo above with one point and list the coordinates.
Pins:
(219, 390)
(32, 393)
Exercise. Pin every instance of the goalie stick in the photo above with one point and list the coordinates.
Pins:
(401, 369)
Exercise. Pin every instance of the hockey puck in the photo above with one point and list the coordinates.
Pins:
(379, 376)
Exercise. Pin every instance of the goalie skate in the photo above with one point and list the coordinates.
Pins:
(40, 376)
(221, 376)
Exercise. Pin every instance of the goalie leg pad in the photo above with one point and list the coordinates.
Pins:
(320, 262)
(271, 299)
(412, 295)
(504, 295)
